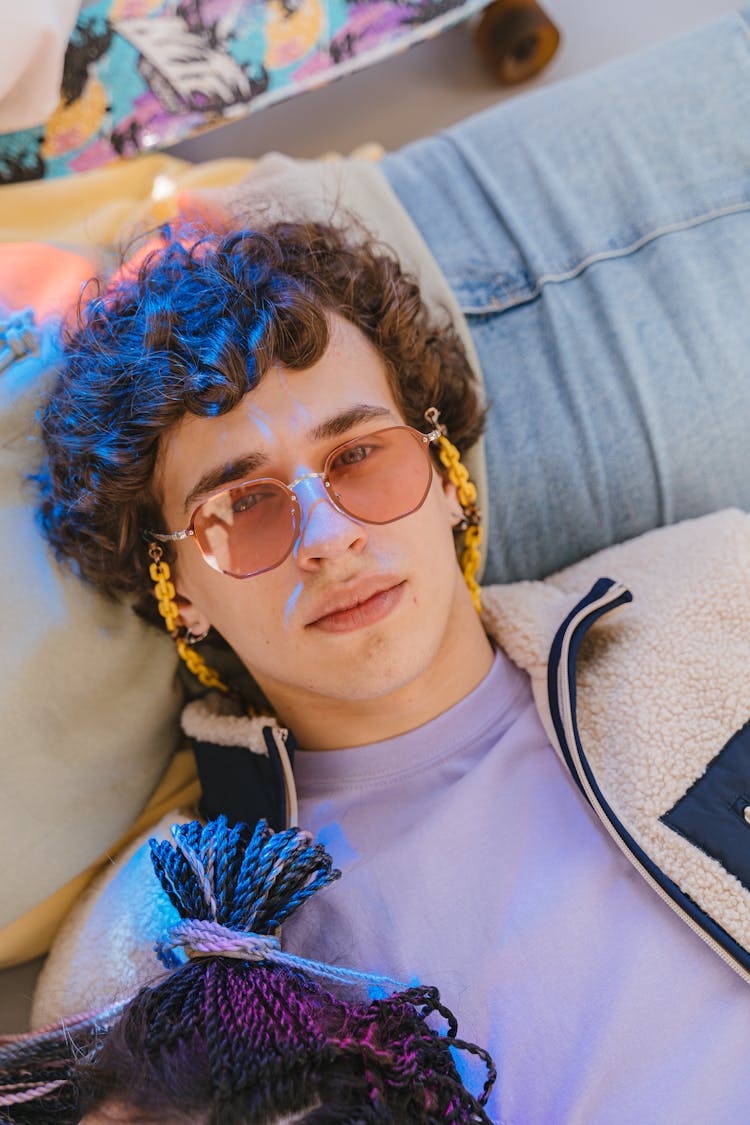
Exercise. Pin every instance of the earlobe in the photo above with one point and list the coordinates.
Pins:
(455, 511)
(194, 620)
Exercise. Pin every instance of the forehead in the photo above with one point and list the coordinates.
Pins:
(290, 403)
(276, 417)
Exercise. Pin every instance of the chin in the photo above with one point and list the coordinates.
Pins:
(374, 675)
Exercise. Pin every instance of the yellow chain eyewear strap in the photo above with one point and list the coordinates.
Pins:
(161, 576)
(467, 497)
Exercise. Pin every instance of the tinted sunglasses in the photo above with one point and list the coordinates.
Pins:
(252, 527)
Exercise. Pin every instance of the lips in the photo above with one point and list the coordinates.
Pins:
(362, 604)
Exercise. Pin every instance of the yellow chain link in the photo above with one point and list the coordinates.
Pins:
(207, 675)
(165, 592)
(467, 498)
(470, 560)
(457, 472)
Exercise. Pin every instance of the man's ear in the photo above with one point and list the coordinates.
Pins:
(453, 506)
(194, 620)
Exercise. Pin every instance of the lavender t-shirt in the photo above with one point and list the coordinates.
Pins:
(471, 862)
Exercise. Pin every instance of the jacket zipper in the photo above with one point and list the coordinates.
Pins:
(280, 735)
(573, 755)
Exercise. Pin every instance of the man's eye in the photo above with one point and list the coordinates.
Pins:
(354, 455)
(248, 500)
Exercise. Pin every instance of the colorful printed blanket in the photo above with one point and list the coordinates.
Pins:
(142, 74)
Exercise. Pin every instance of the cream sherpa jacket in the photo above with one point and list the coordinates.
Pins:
(638, 659)
(649, 706)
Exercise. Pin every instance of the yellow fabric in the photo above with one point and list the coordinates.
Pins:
(99, 207)
(95, 208)
(32, 934)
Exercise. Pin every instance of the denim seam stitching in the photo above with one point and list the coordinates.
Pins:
(604, 256)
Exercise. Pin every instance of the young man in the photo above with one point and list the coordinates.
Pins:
(257, 411)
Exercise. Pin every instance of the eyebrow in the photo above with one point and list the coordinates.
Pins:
(241, 467)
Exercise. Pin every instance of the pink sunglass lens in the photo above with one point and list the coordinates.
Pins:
(382, 476)
(248, 529)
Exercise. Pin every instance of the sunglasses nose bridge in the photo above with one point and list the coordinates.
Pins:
(304, 476)
(324, 528)
(309, 494)
(313, 493)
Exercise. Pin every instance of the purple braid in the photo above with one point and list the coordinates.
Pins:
(229, 1040)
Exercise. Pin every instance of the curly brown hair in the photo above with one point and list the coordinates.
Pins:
(193, 328)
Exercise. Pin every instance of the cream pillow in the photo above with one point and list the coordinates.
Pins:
(89, 700)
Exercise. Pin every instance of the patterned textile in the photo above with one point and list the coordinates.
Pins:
(141, 74)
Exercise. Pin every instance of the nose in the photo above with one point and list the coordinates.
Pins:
(325, 532)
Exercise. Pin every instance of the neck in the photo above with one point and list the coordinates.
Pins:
(463, 660)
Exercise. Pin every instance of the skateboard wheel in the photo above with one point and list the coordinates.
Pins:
(516, 39)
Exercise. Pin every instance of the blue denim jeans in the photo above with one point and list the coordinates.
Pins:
(597, 236)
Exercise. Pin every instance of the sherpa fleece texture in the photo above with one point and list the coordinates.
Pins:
(662, 685)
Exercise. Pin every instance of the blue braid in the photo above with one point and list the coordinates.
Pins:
(245, 882)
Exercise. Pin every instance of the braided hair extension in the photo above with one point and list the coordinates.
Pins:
(242, 1033)
(37, 1069)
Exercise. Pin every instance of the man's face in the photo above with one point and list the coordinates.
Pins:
(282, 623)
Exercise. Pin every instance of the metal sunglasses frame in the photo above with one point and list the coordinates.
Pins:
(189, 532)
